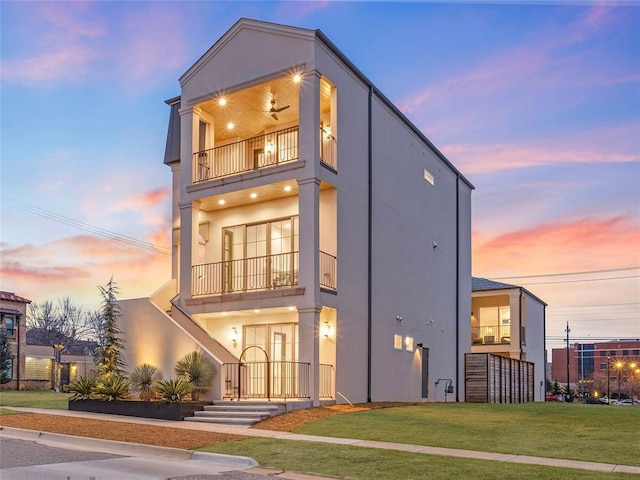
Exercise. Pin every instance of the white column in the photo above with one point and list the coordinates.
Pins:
(189, 120)
(309, 347)
(309, 240)
(188, 244)
(310, 120)
(514, 311)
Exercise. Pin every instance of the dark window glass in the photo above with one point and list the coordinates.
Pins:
(8, 324)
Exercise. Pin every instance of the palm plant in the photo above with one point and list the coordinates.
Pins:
(113, 387)
(198, 370)
(172, 390)
(143, 378)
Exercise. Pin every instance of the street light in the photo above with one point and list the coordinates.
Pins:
(57, 348)
(619, 366)
(608, 381)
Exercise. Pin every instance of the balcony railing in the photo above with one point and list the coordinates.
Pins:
(328, 148)
(246, 274)
(274, 380)
(491, 335)
(252, 154)
(328, 271)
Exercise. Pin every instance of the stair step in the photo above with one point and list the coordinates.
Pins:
(221, 421)
(257, 416)
(240, 408)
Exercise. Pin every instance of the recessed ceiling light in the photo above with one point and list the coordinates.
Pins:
(291, 309)
(221, 201)
(222, 101)
(254, 195)
(256, 311)
(296, 78)
(230, 126)
(287, 188)
(224, 314)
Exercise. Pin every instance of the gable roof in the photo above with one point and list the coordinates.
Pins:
(479, 284)
(12, 297)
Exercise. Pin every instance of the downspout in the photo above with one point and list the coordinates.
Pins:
(369, 244)
(543, 395)
(18, 320)
(520, 322)
(458, 288)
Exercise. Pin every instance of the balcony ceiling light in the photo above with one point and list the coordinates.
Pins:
(221, 201)
(230, 126)
(287, 188)
(222, 101)
(297, 78)
(254, 195)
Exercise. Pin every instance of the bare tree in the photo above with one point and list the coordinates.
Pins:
(60, 323)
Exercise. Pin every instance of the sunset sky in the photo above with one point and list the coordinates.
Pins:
(538, 104)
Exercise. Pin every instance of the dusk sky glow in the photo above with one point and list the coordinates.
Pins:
(537, 104)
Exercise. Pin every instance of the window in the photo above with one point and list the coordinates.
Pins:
(613, 353)
(429, 177)
(636, 352)
(603, 366)
(603, 353)
(397, 342)
(9, 371)
(9, 325)
(408, 344)
(625, 352)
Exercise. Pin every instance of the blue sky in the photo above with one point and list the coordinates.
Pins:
(538, 104)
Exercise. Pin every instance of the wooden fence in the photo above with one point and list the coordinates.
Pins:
(492, 378)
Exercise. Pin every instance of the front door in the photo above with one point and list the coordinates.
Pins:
(425, 372)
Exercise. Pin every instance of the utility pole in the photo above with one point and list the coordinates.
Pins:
(608, 382)
(568, 389)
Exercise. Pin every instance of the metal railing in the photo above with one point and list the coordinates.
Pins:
(254, 153)
(325, 384)
(328, 148)
(257, 273)
(266, 380)
(491, 335)
(328, 270)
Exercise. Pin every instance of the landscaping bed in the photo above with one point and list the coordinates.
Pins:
(138, 408)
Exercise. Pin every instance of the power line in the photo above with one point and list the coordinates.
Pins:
(580, 281)
(101, 232)
(621, 269)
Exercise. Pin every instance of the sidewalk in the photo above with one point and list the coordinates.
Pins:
(451, 452)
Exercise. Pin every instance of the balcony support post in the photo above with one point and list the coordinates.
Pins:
(310, 121)
(189, 122)
(188, 245)
(309, 341)
(514, 307)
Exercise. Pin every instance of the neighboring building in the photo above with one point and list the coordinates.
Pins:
(321, 243)
(75, 361)
(617, 359)
(508, 320)
(13, 320)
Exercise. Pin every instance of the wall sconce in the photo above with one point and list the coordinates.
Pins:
(233, 336)
(419, 345)
(326, 330)
(398, 318)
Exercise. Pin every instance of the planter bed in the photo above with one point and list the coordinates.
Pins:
(138, 408)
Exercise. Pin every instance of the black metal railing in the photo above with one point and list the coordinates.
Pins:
(266, 380)
(328, 148)
(325, 384)
(328, 265)
(491, 335)
(257, 273)
(251, 154)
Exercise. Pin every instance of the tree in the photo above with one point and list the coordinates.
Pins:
(60, 323)
(5, 358)
(109, 355)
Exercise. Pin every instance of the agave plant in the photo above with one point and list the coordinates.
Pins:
(172, 390)
(113, 387)
(143, 379)
(83, 388)
(198, 370)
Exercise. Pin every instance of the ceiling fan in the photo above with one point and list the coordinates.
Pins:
(274, 111)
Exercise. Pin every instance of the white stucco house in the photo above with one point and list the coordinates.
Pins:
(321, 243)
(509, 321)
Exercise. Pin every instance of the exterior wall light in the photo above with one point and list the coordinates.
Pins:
(326, 330)
(233, 336)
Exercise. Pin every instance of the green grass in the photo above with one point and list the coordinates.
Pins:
(596, 433)
(374, 464)
(35, 399)
(6, 411)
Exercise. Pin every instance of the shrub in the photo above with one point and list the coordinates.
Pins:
(113, 387)
(143, 379)
(83, 388)
(198, 370)
(172, 390)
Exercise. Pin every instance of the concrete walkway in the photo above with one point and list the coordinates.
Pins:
(450, 452)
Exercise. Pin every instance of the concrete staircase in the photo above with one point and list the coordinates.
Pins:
(238, 414)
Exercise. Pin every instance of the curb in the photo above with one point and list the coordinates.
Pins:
(123, 448)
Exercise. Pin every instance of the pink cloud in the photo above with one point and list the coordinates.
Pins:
(150, 198)
(575, 245)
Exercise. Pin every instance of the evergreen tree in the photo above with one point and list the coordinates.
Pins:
(109, 355)
(5, 357)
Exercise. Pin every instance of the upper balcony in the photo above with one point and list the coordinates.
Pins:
(257, 128)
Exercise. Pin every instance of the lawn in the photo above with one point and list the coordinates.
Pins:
(34, 399)
(373, 464)
(596, 433)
